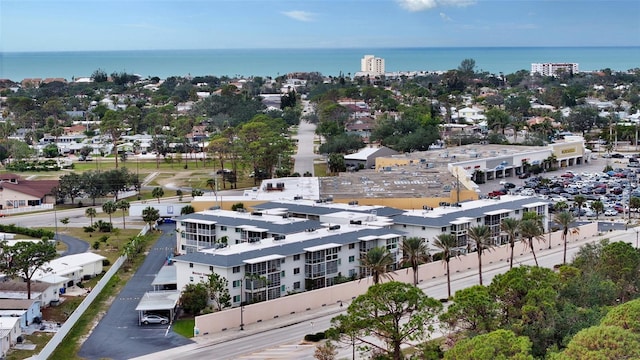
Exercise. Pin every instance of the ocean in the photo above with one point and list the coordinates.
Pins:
(330, 62)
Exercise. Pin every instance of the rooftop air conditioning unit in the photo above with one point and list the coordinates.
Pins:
(334, 227)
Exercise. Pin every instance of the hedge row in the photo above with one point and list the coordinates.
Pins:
(34, 233)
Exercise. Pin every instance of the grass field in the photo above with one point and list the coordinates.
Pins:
(184, 327)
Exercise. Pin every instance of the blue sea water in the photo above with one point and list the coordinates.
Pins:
(273, 62)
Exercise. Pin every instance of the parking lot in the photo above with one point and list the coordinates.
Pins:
(612, 189)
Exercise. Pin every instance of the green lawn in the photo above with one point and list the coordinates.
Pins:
(184, 327)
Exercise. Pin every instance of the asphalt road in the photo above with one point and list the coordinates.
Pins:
(118, 335)
(305, 155)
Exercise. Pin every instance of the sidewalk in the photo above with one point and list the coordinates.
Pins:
(256, 328)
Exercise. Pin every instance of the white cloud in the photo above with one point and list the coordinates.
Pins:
(444, 17)
(299, 15)
(422, 5)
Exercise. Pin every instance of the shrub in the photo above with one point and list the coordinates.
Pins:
(34, 233)
(106, 262)
(104, 238)
(89, 229)
(315, 337)
(96, 245)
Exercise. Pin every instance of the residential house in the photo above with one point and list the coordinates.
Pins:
(27, 311)
(470, 114)
(47, 294)
(19, 193)
(9, 332)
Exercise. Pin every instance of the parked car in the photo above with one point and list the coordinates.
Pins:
(154, 319)
(610, 212)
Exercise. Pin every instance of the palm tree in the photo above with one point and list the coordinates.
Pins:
(564, 219)
(90, 213)
(414, 253)
(212, 184)
(124, 206)
(579, 200)
(157, 193)
(510, 227)
(531, 229)
(446, 243)
(481, 236)
(377, 262)
(109, 207)
(561, 206)
(598, 207)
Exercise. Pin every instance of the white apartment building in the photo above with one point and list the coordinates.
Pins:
(553, 69)
(372, 65)
(272, 267)
(456, 220)
(285, 247)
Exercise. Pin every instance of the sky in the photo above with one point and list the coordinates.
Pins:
(77, 25)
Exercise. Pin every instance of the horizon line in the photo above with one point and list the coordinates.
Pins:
(325, 48)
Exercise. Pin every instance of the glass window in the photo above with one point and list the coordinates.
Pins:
(296, 257)
(237, 283)
(236, 269)
(236, 298)
(352, 246)
(296, 285)
(296, 271)
(190, 265)
(352, 258)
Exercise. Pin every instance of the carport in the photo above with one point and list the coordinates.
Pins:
(158, 302)
(166, 279)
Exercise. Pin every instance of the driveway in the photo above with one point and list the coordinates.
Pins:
(118, 335)
(74, 245)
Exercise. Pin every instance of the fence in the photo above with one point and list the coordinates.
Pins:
(25, 209)
(75, 316)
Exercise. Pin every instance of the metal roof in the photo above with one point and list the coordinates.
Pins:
(166, 275)
(158, 300)
(309, 208)
(283, 227)
(445, 218)
(284, 248)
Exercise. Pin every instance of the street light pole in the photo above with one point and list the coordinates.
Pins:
(55, 218)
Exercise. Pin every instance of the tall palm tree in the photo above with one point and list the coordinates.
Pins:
(564, 219)
(91, 213)
(124, 206)
(377, 262)
(481, 236)
(446, 243)
(414, 253)
(510, 227)
(109, 207)
(531, 229)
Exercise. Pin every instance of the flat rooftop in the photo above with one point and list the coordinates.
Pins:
(426, 174)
